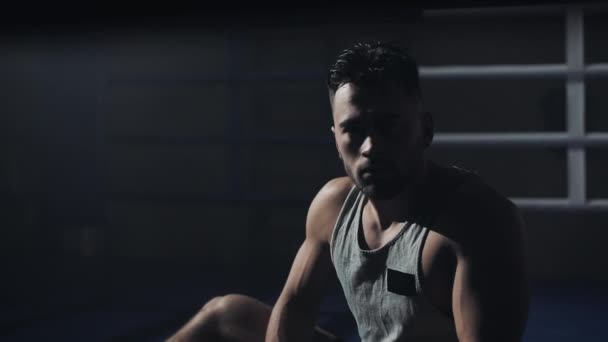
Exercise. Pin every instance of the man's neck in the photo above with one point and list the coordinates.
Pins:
(384, 213)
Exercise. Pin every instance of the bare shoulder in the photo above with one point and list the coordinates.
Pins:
(325, 208)
(478, 216)
(479, 198)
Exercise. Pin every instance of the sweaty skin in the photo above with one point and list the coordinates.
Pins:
(472, 260)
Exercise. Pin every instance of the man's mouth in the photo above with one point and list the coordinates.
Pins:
(374, 171)
(374, 168)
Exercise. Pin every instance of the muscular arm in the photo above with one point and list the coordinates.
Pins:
(490, 293)
(294, 314)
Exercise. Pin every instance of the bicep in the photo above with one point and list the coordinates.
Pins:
(490, 297)
(293, 314)
(312, 263)
(309, 272)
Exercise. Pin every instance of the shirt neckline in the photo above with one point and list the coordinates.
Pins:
(359, 236)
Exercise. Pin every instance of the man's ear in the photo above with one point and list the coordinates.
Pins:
(428, 129)
(333, 130)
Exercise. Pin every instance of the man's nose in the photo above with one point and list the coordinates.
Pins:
(371, 143)
(367, 146)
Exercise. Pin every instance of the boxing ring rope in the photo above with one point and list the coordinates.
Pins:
(514, 71)
(527, 10)
(528, 139)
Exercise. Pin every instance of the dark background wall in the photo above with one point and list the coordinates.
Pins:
(159, 147)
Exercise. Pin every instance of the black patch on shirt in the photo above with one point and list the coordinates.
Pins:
(400, 282)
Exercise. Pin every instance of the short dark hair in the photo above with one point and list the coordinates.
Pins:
(368, 63)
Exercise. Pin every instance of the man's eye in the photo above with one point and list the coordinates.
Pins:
(353, 129)
(388, 126)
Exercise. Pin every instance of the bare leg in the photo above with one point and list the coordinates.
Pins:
(232, 318)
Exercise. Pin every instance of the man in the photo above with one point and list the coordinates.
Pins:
(423, 252)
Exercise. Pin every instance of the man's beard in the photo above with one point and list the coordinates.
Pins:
(383, 188)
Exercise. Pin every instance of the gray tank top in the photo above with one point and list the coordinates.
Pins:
(383, 286)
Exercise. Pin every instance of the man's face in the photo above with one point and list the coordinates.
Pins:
(381, 137)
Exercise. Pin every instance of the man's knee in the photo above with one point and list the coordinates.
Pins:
(212, 306)
(224, 305)
(232, 309)
(231, 317)
(208, 321)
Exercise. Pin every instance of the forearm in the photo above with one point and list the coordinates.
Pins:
(291, 320)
